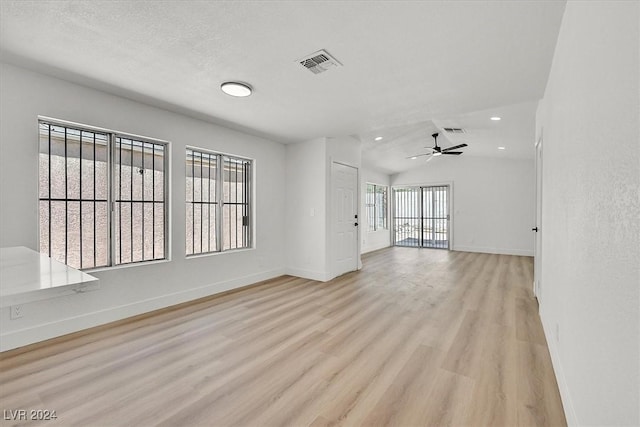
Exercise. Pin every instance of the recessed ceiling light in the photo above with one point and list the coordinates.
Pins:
(496, 118)
(236, 89)
(414, 157)
(377, 138)
(500, 148)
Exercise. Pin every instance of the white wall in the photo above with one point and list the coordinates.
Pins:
(374, 240)
(306, 209)
(129, 290)
(590, 299)
(308, 203)
(345, 149)
(493, 201)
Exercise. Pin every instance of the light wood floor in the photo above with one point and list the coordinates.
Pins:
(418, 337)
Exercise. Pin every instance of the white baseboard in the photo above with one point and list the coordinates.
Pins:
(37, 333)
(567, 404)
(320, 276)
(498, 251)
(375, 248)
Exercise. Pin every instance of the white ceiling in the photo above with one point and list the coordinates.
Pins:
(409, 67)
(515, 132)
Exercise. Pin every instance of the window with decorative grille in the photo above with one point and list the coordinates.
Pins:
(218, 202)
(376, 206)
(102, 196)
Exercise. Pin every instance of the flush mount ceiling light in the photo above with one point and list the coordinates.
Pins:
(377, 138)
(501, 148)
(496, 118)
(237, 89)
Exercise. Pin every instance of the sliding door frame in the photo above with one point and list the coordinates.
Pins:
(428, 184)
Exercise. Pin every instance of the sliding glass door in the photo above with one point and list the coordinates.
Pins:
(421, 216)
(435, 217)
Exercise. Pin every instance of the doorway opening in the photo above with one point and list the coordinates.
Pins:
(537, 260)
(421, 217)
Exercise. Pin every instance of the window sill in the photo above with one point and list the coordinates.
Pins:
(208, 254)
(121, 266)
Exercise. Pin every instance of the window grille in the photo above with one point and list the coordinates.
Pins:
(139, 207)
(84, 172)
(202, 204)
(376, 206)
(421, 216)
(218, 202)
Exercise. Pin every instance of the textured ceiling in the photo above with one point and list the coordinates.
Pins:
(407, 65)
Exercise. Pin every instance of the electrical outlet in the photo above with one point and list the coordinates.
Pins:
(16, 312)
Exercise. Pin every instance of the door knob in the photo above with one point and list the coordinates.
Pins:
(356, 224)
(535, 229)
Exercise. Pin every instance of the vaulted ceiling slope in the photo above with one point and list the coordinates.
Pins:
(403, 62)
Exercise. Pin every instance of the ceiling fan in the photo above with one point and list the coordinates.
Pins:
(437, 151)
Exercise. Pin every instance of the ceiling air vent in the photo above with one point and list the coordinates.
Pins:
(319, 62)
(454, 130)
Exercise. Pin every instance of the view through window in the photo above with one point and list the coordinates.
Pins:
(376, 206)
(218, 202)
(82, 172)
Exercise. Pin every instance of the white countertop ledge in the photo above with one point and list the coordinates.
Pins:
(27, 276)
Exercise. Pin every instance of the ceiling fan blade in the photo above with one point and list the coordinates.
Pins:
(419, 155)
(454, 147)
(429, 159)
(452, 152)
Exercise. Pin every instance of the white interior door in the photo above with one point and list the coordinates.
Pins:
(344, 191)
(537, 288)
